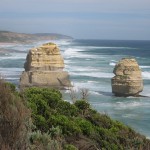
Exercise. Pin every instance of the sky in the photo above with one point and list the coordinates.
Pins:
(81, 19)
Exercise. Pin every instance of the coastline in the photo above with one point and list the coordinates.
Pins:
(88, 63)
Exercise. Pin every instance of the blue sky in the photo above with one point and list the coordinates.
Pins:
(82, 19)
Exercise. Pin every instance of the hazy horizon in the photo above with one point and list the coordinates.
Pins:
(86, 19)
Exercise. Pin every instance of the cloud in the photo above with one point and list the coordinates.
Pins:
(79, 18)
(74, 6)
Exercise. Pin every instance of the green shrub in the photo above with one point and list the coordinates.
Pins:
(83, 106)
(70, 147)
(55, 132)
(42, 102)
(11, 86)
(67, 109)
(101, 120)
(76, 122)
(67, 126)
(50, 96)
(41, 123)
(43, 141)
(85, 126)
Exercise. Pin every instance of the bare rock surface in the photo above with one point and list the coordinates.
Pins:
(44, 67)
(128, 78)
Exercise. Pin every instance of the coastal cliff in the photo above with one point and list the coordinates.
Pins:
(13, 37)
(44, 67)
(128, 78)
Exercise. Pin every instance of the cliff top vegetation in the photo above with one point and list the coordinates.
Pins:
(55, 124)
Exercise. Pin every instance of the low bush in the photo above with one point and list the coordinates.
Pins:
(77, 126)
(67, 109)
(69, 147)
(14, 119)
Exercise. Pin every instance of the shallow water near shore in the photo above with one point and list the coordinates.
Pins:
(90, 64)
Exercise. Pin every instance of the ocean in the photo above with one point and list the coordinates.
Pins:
(90, 64)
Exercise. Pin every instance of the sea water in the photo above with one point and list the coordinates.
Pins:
(90, 64)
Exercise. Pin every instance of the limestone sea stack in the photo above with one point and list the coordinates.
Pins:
(128, 78)
(44, 68)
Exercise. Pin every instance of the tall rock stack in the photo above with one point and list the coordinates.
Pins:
(44, 68)
(128, 79)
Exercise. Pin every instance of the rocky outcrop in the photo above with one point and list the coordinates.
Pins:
(128, 79)
(44, 67)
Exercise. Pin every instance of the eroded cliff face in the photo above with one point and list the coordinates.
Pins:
(44, 67)
(128, 78)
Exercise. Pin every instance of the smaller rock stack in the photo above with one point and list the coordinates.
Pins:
(44, 68)
(128, 78)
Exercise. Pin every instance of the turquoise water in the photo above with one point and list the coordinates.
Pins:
(90, 64)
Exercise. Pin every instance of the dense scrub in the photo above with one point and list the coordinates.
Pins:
(77, 126)
(59, 125)
(14, 119)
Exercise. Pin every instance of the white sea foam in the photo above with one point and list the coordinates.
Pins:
(112, 64)
(127, 105)
(113, 60)
(145, 67)
(95, 93)
(92, 81)
(94, 74)
(62, 42)
(14, 56)
(83, 69)
(146, 75)
(104, 47)
(71, 52)
(10, 71)
(89, 86)
(129, 115)
(7, 45)
(102, 104)
(77, 53)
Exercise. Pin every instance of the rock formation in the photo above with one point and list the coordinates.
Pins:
(44, 67)
(128, 79)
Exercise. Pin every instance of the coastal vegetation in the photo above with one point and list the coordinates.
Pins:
(39, 119)
(13, 37)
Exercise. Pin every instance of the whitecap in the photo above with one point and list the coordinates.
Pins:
(146, 75)
(102, 104)
(14, 56)
(112, 64)
(92, 82)
(77, 53)
(144, 67)
(95, 74)
(7, 45)
(129, 115)
(113, 60)
(83, 69)
(127, 105)
(71, 52)
(104, 47)
(62, 42)
(95, 93)
(9, 72)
